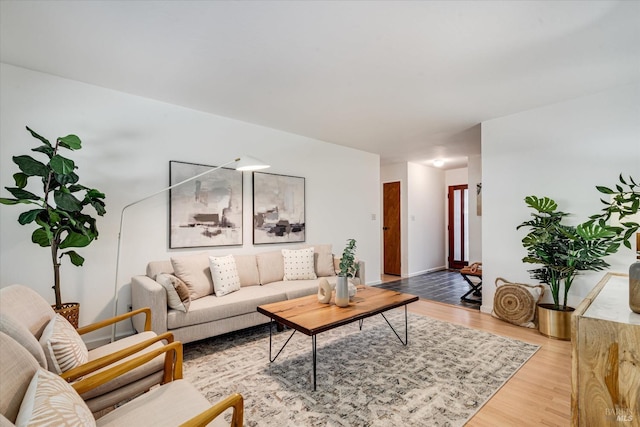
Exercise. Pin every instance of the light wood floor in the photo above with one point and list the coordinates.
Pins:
(539, 394)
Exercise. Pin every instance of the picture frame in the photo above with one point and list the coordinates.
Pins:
(207, 211)
(278, 208)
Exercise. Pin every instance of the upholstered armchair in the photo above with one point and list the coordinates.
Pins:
(58, 347)
(30, 394)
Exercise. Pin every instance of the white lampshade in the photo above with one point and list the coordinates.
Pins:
(248, 163)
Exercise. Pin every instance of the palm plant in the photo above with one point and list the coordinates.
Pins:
(59, 215)
(564, 250)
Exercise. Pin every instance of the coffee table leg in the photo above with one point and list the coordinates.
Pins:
(313, 344)
(270, 344)
(406, 327)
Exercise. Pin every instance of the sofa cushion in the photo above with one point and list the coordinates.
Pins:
(50, 400)
(21, 334)
(63, 346)
(157, 267)
(299, 288)
(194, 271)
(224, 274)
(247, 270)
(298, 264)
(323, 258)
(270, 266)
(211, 308)
(178, 295)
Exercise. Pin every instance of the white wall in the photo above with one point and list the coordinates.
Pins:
(128, 142)
(474, 177)
(561, 151)
(426, 202)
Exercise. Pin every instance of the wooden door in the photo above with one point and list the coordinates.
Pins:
(391, 228)
(458, 227)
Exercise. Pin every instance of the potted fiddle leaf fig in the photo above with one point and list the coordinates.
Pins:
(58, 210)
(562, 251)
(348, 268)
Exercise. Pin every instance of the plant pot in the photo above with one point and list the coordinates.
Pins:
(554, 323)
(342, 291)
(70, 311)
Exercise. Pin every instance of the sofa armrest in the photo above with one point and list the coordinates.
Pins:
(146, 292)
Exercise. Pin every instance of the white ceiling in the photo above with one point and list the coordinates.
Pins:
(409, 80)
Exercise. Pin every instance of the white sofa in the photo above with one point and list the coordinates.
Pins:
(262, 281)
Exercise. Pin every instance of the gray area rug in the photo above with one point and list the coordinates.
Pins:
(365, 378)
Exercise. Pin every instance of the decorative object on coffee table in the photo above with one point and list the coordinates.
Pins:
(278, 208)
(62, 222)
(348, 268)
(208, 212)
(324, 291)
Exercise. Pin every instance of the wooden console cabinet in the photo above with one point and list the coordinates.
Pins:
(605, 376)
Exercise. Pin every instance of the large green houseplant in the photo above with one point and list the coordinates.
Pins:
(58, 211)
(562, 251)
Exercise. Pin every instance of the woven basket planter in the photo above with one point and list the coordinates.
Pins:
(70, 311)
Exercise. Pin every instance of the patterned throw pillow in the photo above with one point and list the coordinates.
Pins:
(51, 401)
(224, 274)
(298, 264)
(63, 346)
(178, 296)
(516, 303)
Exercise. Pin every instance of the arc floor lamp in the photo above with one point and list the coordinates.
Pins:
(244, 163)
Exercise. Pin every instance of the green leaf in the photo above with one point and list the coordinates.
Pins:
(21, 194)
(42, 237)
(75, 240)
(30, 166)
(71, 178)
(29, 216)
(35, 135)
(62, 165)
(66, 201)
(543, 205)
(72, 142)
(49, 151)
(6, 201)
(98, 205)
(604, 190)
(20, 179)
(75, 259)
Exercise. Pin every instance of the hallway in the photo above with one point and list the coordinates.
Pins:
(446, 286)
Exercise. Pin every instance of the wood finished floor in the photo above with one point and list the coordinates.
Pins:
(539, 394)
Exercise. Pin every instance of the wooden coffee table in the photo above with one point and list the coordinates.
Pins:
(311, 317)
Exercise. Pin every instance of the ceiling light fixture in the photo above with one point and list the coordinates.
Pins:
(438, 163)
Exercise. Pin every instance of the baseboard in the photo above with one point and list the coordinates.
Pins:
(429, 270)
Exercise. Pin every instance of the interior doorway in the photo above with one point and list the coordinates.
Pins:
(458, 226)
(391, 228)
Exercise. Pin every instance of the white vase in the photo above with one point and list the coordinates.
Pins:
(342, 291)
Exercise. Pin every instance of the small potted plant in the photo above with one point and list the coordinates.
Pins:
(59, 210)
(348, 268)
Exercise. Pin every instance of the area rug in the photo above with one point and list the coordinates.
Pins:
(364, 377)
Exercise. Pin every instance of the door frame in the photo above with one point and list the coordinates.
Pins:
(451, 262)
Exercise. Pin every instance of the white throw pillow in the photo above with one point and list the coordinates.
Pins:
(63, 346)
(298, 264)
(178, 296)
(51, 401)
(224, 274)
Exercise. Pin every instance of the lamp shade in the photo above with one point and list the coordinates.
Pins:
(248, 163)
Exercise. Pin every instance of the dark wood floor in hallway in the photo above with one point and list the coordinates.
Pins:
(446, 286)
